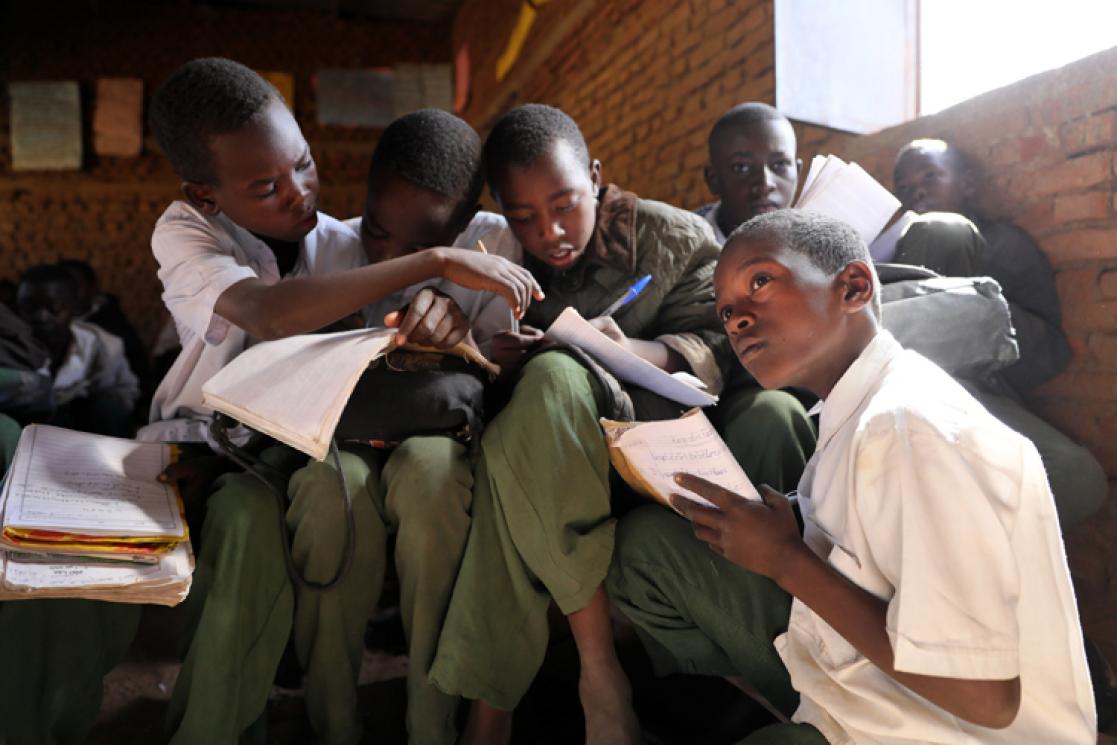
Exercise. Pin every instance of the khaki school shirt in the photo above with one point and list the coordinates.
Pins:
(920, 497)
(632, 238)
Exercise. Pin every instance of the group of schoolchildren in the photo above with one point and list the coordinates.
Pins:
(912, 589)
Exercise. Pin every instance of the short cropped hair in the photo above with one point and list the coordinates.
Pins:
(433, 149)
(52, 274)
(205, 97)
(743, 115)
(958, 158)
(525, 133)
(829, 244)
(80, 270)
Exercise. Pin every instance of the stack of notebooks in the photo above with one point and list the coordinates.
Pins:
(85, 516)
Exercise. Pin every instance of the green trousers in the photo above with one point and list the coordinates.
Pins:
(55, 653)
(422, 492)
(543, 525)
(698, 613)
(238, 613)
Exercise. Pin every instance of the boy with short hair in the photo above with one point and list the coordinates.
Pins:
(938, 180)
(542, 519)
(94, 389)
(753, 168)
(424, 183)
(930, 599)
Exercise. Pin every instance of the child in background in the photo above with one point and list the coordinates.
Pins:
(542, 519)
(94, 388)
(928, 599)
(753, 168)
(931, 178)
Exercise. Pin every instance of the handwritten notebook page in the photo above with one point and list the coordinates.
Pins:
(653, 452)
(570, 328)
(295, 389)
(76, 482)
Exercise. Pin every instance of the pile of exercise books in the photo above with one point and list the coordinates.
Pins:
(85, 516)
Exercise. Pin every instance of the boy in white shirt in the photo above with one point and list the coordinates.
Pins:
(94, 389)
(928, 599)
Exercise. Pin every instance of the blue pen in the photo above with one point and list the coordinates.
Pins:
(630, 295)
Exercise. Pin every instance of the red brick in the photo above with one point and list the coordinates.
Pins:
(1107, 284)
(1082, 244)
(1089, 132)
(1103, 348)
(1074, 173)
(1090, 205)
(1082, 386)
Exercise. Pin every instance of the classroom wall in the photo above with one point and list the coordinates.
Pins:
(646, 80)
(105, 213)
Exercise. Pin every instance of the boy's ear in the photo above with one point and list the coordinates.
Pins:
(201, 196)
(857, 285)
(595, 174)
(712, 182)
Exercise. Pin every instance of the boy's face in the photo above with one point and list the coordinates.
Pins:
(551, 205)
(783, 315)
(753, 170)
(266, 179)
(401, 218)
(47, 308)
(927, 180)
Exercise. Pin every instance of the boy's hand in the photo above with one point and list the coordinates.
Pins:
(431, 319)
(479, 271)
(759, 537)
(609, 327)
(508, 348)
(194, 476)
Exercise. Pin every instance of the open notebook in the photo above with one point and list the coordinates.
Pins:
(84, 516)
(570, 328)
(647, 455)
(846, 192)
(295, 389)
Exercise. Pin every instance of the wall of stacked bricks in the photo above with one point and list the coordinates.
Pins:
(645, 80)
(105, 212)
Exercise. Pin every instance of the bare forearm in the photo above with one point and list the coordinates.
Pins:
(659, 354)
(300, 305)
(860, 618)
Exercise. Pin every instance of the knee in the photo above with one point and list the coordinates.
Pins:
(550, 374)
(318, 509)
(426, 475)
(645, 535)
(240, 507)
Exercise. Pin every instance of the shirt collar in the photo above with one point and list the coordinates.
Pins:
(711, 216)
(855, 385)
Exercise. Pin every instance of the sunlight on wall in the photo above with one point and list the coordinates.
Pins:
(972, 46)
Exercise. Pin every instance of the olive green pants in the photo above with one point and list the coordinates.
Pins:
(422, 492)
(698, 613)
(543, 525)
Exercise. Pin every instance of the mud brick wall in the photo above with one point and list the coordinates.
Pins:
(105, 212)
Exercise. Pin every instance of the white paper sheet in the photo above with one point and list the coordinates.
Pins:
(846, 192)
(570, 328)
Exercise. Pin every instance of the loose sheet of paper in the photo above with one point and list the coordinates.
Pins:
(846, 192)
(76, 482)
(689, 444)
(570, 328)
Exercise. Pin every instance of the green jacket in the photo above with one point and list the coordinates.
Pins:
(634, 237)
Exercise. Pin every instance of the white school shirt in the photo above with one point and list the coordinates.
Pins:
(709, 213)
(94, 363)
(919, 496)
(199, 258)
(487, 312)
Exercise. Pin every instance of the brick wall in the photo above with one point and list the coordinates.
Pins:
(645, 80)
(105, 212)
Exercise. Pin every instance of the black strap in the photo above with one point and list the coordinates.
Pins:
(218, 428)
